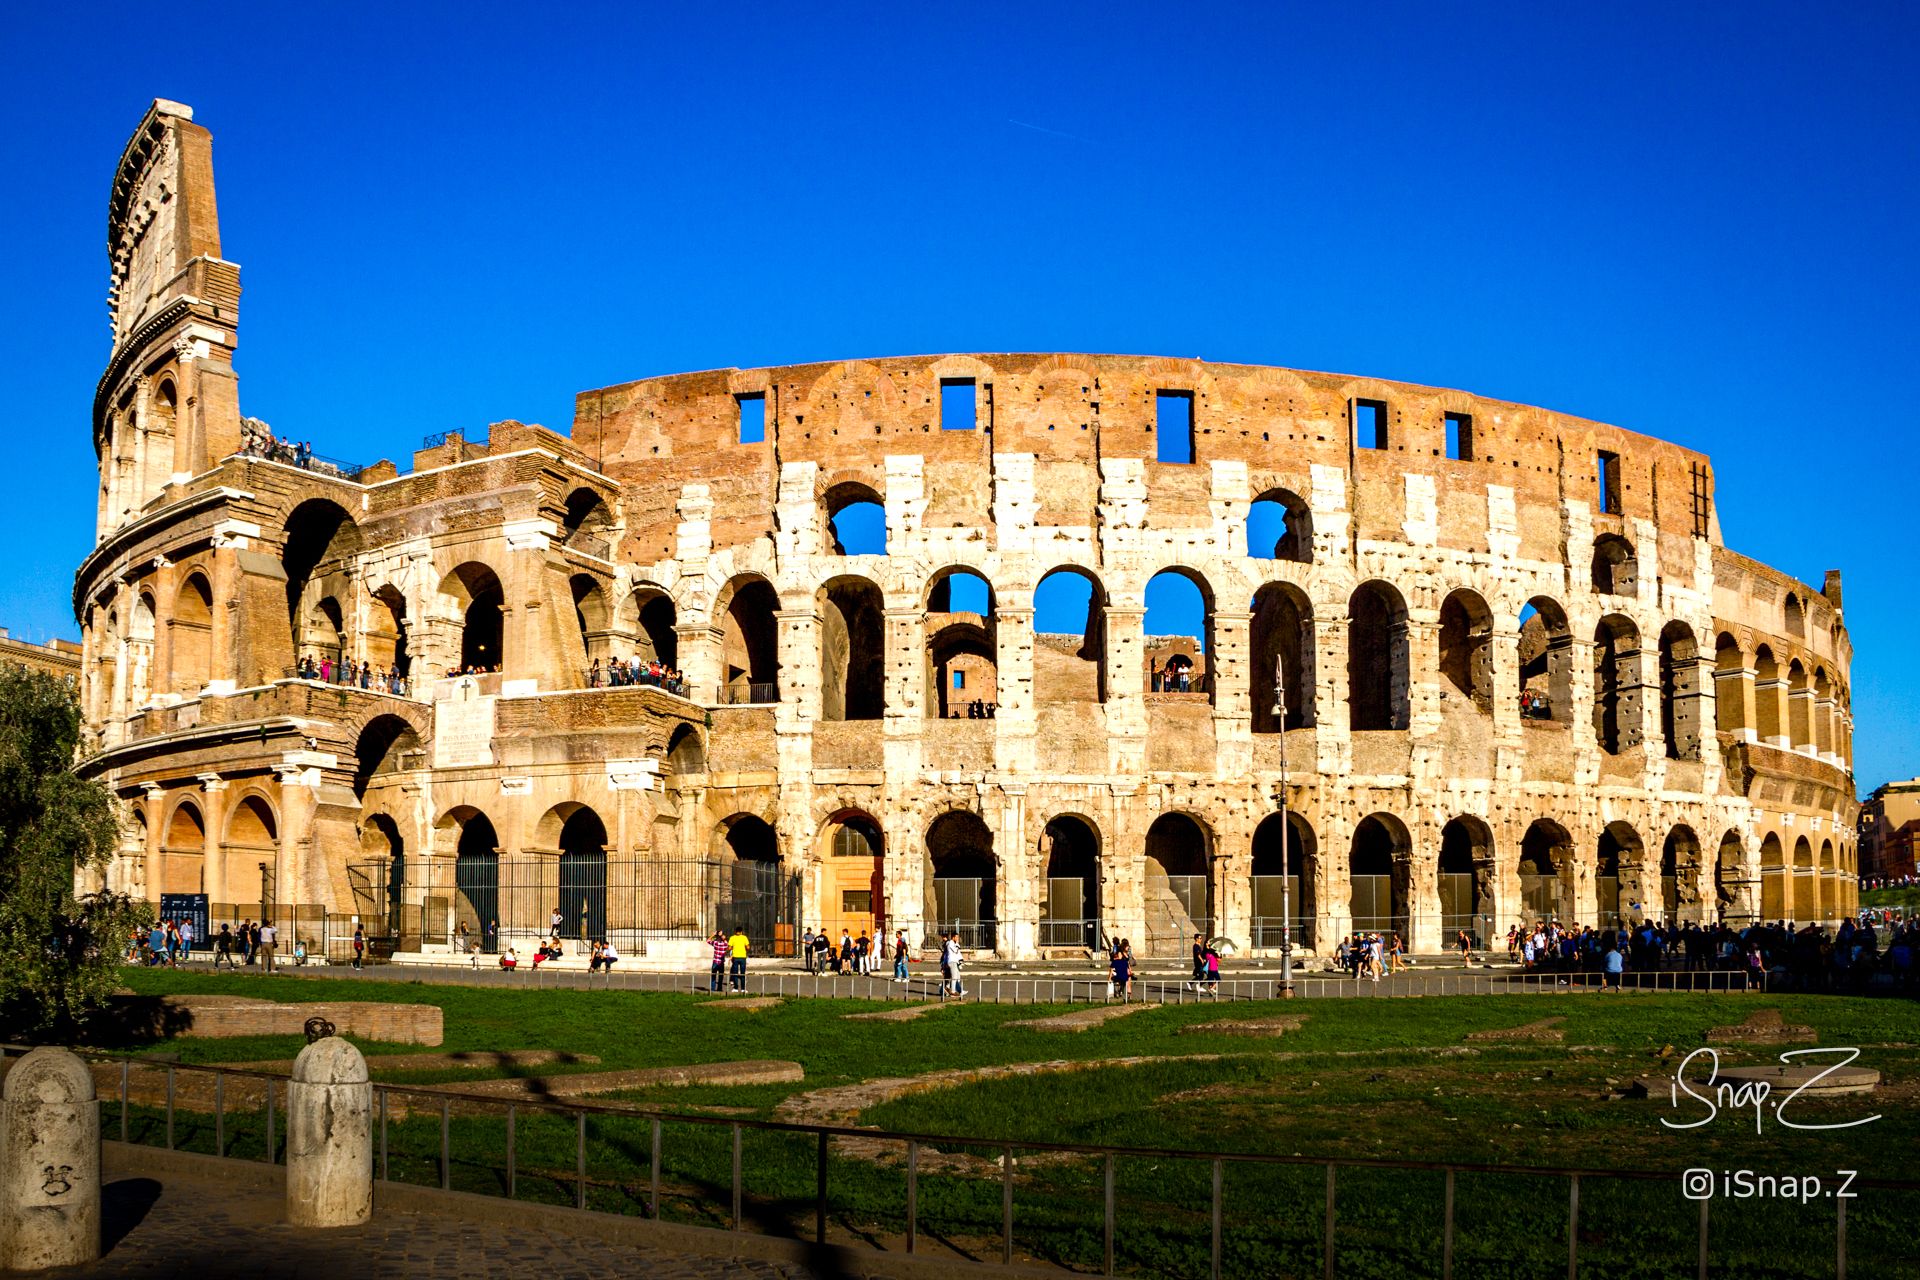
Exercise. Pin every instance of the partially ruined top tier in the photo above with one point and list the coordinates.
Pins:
(1091, 419)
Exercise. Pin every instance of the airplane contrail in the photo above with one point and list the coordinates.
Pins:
(1037, 128)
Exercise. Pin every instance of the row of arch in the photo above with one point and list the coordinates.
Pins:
(1794, 703)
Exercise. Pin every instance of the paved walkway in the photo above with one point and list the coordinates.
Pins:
(207, 1227)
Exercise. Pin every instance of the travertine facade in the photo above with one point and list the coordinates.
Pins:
(1688, 709)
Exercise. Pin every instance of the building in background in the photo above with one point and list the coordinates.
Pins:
(1889, 825)
(1523, 677)
(56, 657)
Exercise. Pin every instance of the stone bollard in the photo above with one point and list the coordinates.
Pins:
(49, 1164)
(329, 1137)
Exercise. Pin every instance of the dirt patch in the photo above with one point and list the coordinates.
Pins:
(1247, 1026)
(1545, 1031)
(1080, 1019)
(497, 1059)
(1763, 1026)
(905, 1013)
(748, 1004)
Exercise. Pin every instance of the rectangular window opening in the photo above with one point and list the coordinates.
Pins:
(959, 404)
(1370, 424)
(1460, 437)
(1609, 482)
(959, 679)
(753, 417)
(1173, 426)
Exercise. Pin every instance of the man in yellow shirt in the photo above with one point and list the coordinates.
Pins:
(737, 949)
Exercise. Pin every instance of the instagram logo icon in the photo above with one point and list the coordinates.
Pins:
(1697, 1184)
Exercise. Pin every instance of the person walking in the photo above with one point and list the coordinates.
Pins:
(737, 952)
(1199, 961)
(359, 945)
(1119, 973)
(720, 952)
(186, 939)
(806, 948)
(223, 947)
(900, 955)
(956, 958)
(269, 938)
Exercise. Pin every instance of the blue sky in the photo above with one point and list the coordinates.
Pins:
(1694, 221)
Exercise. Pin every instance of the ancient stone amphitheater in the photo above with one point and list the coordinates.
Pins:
(1494, 660)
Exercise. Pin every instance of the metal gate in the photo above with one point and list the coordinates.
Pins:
(1606, 891)
(1067, 922)
(1539, 897)
(1268, 915)
(956, 909)
(1373, 906)
(1457, 908)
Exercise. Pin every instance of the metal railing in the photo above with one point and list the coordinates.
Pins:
(617, 675)
(638, 1180)
(737, 695)
(395, 687)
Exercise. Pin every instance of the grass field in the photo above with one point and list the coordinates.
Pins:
(1908, 898)
(1361, 1078)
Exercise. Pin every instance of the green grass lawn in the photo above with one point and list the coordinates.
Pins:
(1908, 898)
(1361, 1079)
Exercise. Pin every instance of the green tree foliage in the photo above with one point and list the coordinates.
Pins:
(59, 950)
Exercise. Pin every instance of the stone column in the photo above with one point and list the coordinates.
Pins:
(50, 1176)
(329, 1137)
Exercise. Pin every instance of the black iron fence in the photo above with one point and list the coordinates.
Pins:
(485, 903)
(1081, 1206)
(738, 695)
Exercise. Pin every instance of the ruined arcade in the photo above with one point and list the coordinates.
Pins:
(1522, 675)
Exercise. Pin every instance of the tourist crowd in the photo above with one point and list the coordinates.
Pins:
(619, 674)
(357, 675)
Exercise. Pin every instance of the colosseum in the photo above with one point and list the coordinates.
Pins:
(1445, 662)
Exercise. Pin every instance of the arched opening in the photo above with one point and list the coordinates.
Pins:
(856, 520)
(386, 852)
(183, 858)
(1070, 912)
(1773, 879)
(750, 643)
(962, 892)
(686, 754)
(1179, 633)
(1377, 872)
(756, 897)
(386, 745)
(253, 837)
(1178, 889)
(387, 635)
(1822, 712)
(583, 875)
(1680, 720)
(1829, 899)
(1799, 705)
(854, 897)
(1070, 638)
(962, 670)
(1466, 871)
(1290, 873)
(1280, 527)
(140, 653)
(588, 525)
(1617, 685)
(594, 620)
(1766, 695)
(1546, 874)
(323, 639)
(476, 872)
(1619, 845)
(192, 625)
(321, 541)
(1796, 617)
(1679, 874)
(1546, 662)
(1466, 649)
(1731, 713)
(648, 621)
(1280, 644)
(480, 606)
(1805, 903)
(853, 650)
(1615, 569)
(1377, 672)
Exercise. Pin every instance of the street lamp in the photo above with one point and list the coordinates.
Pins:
(263, 893)
(1286, 883)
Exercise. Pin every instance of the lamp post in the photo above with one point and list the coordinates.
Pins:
(263, 893)
(1286, 882)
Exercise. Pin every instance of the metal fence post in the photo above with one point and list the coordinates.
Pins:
(125, 1068)
(1006, 1207)
(1704, 1202)
(654, 1202)
(1327, 1247)
(1840, 1232)
(512, 1163)
(383, 1136)
(1446, 1237)
(1107, 1234)
(220, 1114)
(169, 1108)
(736, 1177)
(820, 1193)
(1219, 1175)
(446, 1152)
(913, 1193)
(1573, 1227)
(580, 1160)
(270, 1142)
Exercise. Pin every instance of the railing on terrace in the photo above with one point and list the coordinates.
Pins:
(293, 456)
(587, 544)
(370, 682)
(1179, 681)
(1079, 1206)
(621, 677)
(739, 695)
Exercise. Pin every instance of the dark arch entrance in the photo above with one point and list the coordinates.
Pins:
(583, 875)
(962, 893)
(1178, 891)
(1070, 914)
(756, 896)
(476, 875)
(1378, 871)
(1267, 873)
(1466, 881)
(1546, 873)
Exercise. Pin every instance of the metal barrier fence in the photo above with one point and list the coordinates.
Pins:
(739, 695)
(507, 1130)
